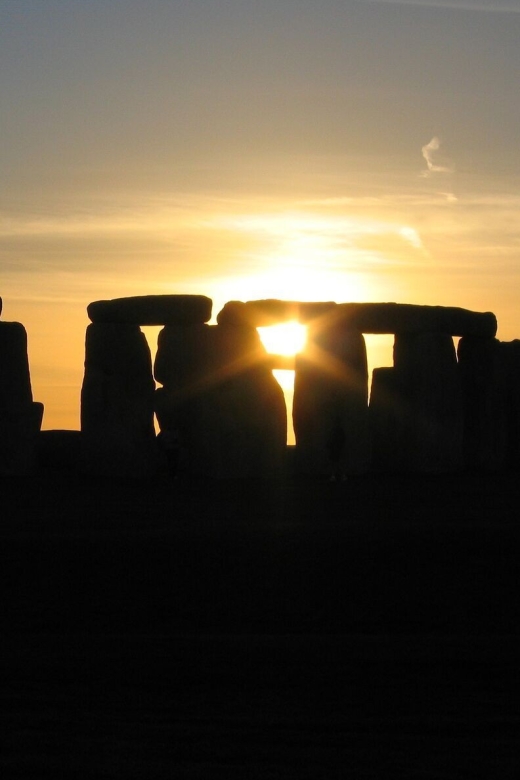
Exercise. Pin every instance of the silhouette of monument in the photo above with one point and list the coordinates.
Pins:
(429, 413)
(218, 394)
(435, 410)
(20, 416)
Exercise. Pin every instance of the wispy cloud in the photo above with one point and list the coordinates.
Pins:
(450, 197)
(428, 152)
(387, 203)
(314, 241)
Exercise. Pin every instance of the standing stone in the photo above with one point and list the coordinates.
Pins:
(59, 450)
(181, 405)
(330, 402)
(429, 386)
(183, 358)
(387, 413)
(19, 429)
(220, 395)
(251, 414)
(15, 381)
(484, 384)
(511, 358)
(20, 417)
(117, 402)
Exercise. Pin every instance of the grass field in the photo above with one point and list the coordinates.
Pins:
(291, 629)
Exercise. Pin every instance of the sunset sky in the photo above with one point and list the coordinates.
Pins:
(331, 150)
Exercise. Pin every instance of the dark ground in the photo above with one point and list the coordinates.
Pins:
(297, 629)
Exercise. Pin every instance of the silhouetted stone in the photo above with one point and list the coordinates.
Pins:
(330, 393)
(313, 312)
(406, 318)
(236, 351)
(263, 313)
(20, 417)
(428, 382)
(36, 415)
(511, 358)
(19, 429)
(239, 430)
(192, 359)
(182, 358)
(184, 364)
(484, 383)
(117, 402)
(152, 310)
(119, 350)
(257, 314)
(219, 393)
(15, 381)
(251, 417)
(59, 450)
(184, 416)
(363, 317)
(387, 411)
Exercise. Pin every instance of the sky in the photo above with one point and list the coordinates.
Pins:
(348, 150)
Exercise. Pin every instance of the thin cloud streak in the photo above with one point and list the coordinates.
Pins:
(428, 152)
(384, 202)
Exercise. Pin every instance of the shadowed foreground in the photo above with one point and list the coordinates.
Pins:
(294, 629)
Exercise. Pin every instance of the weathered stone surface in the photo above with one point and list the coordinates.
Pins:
(330, 402)
(484, 384)
(117, 402)
(428, 382)
(152, 310)
(406, 318)
(262, 313)
(15, 381)
(221, 397)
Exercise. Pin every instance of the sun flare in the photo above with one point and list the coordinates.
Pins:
(285, 339)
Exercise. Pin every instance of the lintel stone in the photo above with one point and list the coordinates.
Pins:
(377, 318)
(152, 310)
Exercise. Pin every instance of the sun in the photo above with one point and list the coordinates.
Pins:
(286, 339)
